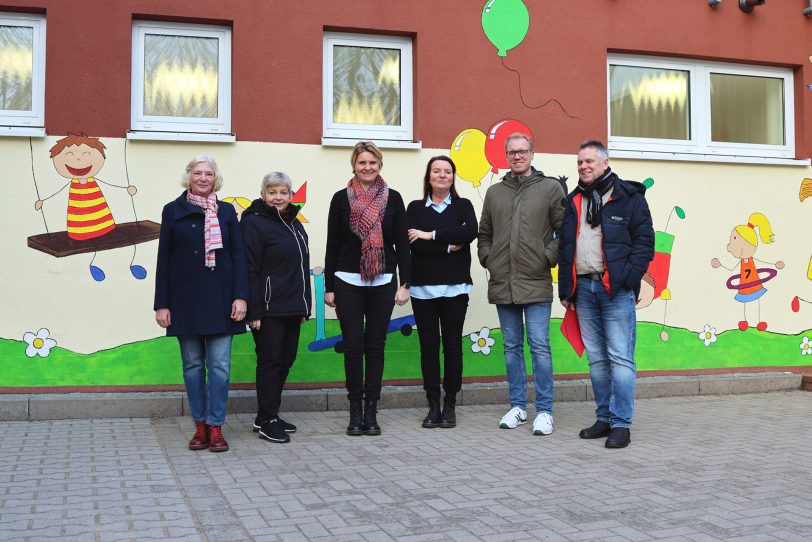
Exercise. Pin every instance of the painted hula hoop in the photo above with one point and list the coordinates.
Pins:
(769, 275)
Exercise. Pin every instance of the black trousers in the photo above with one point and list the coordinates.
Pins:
(432, 316)
(277, 341)
(364, 313)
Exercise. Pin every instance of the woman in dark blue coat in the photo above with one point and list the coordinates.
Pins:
(279, 282)
(201, 288)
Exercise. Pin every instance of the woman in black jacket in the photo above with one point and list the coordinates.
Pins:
(441, 228)
(366, 245)
(279, 284)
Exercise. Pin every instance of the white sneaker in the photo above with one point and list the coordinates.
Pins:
(543, 424)
(513, 419)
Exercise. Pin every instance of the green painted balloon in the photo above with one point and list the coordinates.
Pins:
(648, 183)
(679, 211)
(505, 23)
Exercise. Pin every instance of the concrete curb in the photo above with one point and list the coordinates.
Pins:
(31, 407)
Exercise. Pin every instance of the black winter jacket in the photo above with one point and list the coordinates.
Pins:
(628, 239)
(278, 262)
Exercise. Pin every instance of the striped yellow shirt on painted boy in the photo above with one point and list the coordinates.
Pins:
(88, 213)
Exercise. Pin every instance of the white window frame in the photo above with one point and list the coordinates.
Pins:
(153, 127)
(28, 123)
(700, 146)
(341, 134)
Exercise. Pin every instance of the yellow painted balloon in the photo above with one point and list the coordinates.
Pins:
(665, 295)
(468, 153)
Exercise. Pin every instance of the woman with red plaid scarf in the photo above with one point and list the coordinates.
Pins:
(367, 246)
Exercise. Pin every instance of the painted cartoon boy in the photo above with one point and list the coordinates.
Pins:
(79, 158)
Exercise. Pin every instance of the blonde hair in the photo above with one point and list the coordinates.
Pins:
(365, 146)
(748, 231)
(199, 159)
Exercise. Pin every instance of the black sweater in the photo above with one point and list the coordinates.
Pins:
(431, 261)
(343, 252)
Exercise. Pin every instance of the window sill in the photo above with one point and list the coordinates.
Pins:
(687, 157)
(22, 131)
(382, 143)
(141, 135)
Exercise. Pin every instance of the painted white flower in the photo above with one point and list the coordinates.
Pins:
(806, 348)
(708, 334)
(482, 341)
(39, 343)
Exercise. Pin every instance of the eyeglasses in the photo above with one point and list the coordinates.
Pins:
(520, 153)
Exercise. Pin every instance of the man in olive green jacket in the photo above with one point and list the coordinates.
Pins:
(518, 245)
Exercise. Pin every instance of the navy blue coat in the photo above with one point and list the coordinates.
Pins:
(628, 239)
(199, 299)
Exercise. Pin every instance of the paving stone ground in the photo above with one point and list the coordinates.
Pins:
(734, 468)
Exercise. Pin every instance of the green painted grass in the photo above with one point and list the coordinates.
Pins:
(157, 361)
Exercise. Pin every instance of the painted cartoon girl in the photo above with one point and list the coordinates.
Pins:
(750, 280)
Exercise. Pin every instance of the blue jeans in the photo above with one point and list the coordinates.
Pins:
(537, 317)
(202, 354)
(609, 330)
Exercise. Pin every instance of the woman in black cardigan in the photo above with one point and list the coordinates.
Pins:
(367, 246)
(441, 228)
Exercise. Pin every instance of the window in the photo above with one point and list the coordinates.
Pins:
(181, 82)
(367, 88)
(700, 108)
(22, 74)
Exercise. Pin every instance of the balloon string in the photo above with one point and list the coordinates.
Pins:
(521, 96)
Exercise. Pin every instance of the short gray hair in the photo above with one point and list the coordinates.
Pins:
(200, 159)
(275, 178)
(599, 147)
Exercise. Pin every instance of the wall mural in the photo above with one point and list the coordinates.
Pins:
(700, 328)
(90, 224)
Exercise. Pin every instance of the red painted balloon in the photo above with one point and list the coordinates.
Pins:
(796, 305)
(495, 142)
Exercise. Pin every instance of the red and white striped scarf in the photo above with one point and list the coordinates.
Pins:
(212, 238)
(367, 208)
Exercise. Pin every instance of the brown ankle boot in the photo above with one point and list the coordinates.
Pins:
(201, 439)
(216, 441)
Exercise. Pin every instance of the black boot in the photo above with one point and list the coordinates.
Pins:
(355, 428)
(371, 426)
(432, 419)
(448, 419)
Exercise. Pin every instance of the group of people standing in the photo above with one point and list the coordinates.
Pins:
(215, 275)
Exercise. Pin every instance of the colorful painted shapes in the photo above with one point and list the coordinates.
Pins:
(765, 274)
(796, 303)
(806, 189)
(468, 153)
(495, 142)
(505, 23)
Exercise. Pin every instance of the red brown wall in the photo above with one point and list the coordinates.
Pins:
(459, 80)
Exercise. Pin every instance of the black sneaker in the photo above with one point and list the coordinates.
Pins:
(288, 427)
(272, 431)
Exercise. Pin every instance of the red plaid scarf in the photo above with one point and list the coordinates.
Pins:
(212, 238)
(367, 208)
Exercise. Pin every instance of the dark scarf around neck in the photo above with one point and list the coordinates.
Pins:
(594, 193)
